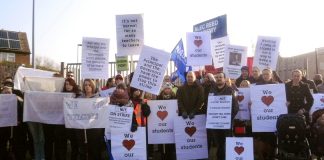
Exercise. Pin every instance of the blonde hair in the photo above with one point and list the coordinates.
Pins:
(245, 82)
(92, 84)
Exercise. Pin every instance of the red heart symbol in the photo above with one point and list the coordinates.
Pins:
(322, 100)
(198, 42)
(267, 100)
(190, 130)
(239, 150)
(162, 114)
(240, 98)
(128, 144)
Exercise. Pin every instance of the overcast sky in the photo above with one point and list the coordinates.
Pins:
(61, 24)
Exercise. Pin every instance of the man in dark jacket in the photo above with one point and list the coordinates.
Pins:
(218, 136)
(244, 76)
(190, 97)
(299, 97)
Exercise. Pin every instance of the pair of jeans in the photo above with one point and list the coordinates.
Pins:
(36, 130)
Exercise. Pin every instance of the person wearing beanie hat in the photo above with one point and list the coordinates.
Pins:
(244, 75)
(166, 92)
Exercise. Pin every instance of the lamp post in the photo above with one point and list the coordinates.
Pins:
(79, 45)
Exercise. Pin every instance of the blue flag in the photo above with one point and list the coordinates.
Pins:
(180, 61)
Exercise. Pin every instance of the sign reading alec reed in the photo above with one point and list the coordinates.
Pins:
(235, 58)
(150, 70)
(219, 112)
(130, 34)
(95, 58)
(44, 107)
(318, 103)
(126, 145)
(239, 148)
(217, 27)
(191, 137)
(266, 52)
(8, 110)
(268, 102)
(160, 126)
(198, 49)
(85, 113)
(118, 117)
(243, 98)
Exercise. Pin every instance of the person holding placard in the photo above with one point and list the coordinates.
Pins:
(244, 75)
(71, 86)
(110, 84)
(190, 97)
(17, 135)
(256, 76)
(90, 141)
(299, 97)
(217, 137)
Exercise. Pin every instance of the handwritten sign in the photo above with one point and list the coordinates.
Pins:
(130, 34)
(95, 58)
(266, 52)
(219, 111)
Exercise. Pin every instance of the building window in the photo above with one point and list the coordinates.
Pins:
(10, 57)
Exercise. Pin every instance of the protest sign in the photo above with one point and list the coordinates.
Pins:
(217, 27)
(107, 92)
(190, 137)
(121, 63)
(128, 145)
(150, 70)
(318, 103)
(95, 58)
(219, 111)
(46, 84)
(23, 72)
(86, 113)
(239, 148)
(118, 117)
(243, 98)
(198, 49)
(266, 52)
(130, 34)
(8, 110)
(218, 47)
(160, 126)
(268, 102)
(44, 107)
(235, 58)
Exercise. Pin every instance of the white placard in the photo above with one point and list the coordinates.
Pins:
(219, 112)
(191, 137)
(118, 117)
(130, 34)
(46, 84)
(126, 145)
(318, 103)
(107, 92)
(239, 148)
(23, 72)
(243, 98)
(266, 52)
(86, 113)
(95, 58)
(8, 110)
(235, 58)
(268, 102)
(198, 49)
(150, 70)
(160, 126)
(44, 107)
(218, 46)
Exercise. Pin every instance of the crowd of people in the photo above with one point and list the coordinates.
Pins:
(47, 141)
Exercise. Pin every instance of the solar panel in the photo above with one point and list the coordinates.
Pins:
(3, 34)
(13, 35)
(4, 43)
(14, 44)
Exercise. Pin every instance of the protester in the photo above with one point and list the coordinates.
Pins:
(110, 84)
(245, 84)
(256, 76)
(167, 79)
(70, 74)
(310, 83)
(190, 97)
(244, 75)
(209, 82)
(119, 79)
(276, 77)
(17, 135)
(166, 92)
(90, 140)
(217, 137)
(71, 87)
(298, 94)
(318, 79)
